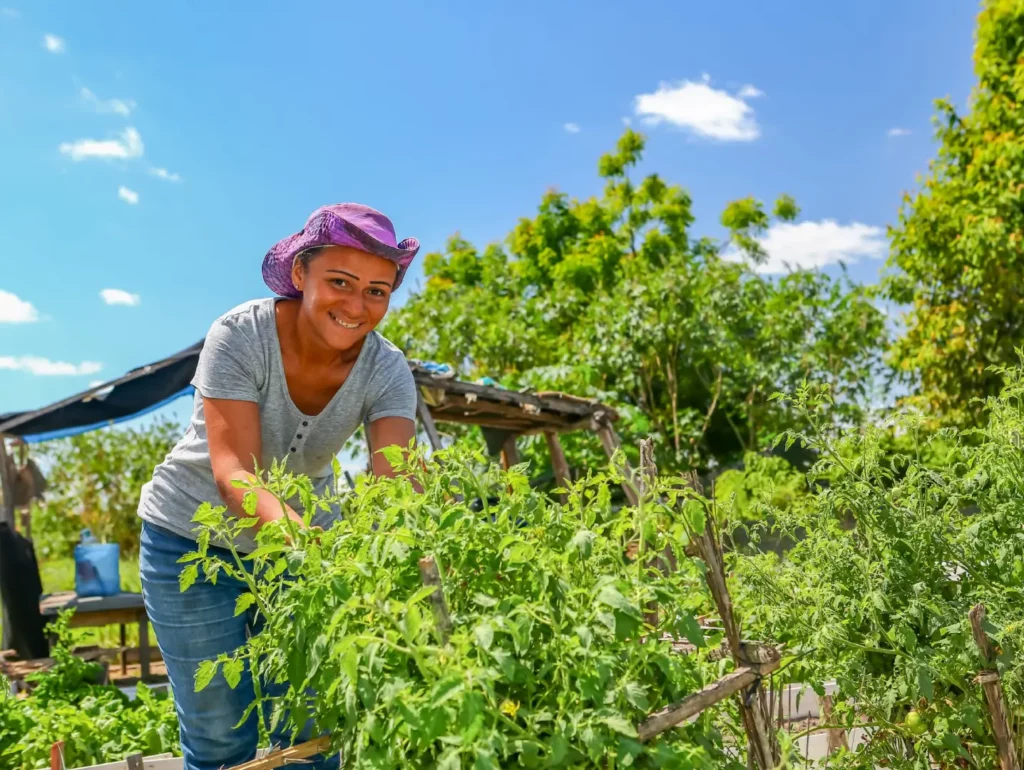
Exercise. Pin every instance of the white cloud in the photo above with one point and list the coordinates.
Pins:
(10, 13)
(45, 367)
(706, 111)
(571, 128)
(167, 176)
(897, 131)
(120, 297)
(749, 92)
(117, 106)
(14, 310)
(627, 122)
(128, 145)
(808, 245)
(54, 44)
(128, 196)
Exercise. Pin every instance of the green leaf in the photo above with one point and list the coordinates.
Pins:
(620, 725)
(421, 594)
(232, 669)
(205, 673)
(246, 523)
(484, 634)
(188, 577)
(637, 696)
(610, 596)
(244, 602)
(249, 502)
(687, 625)
(484, 600)
(925, 688)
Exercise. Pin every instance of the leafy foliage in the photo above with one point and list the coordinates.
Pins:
(546, 665)
(98, 723)
(612, 298)
(958, 251)
(94, 481)
(890, 554)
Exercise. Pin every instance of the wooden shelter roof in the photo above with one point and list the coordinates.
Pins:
(521, 412)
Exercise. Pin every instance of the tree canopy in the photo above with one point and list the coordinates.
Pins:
(957, 260)
(613, 297)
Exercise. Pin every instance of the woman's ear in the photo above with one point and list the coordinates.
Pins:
(298, 274)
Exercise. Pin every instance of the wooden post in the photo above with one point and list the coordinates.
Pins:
(836, 736)
(989, 681)
(427, 420)
(509, 453)
(6, 485)
(558, 462)
(610, 442)
(761, 746)
(431, 577)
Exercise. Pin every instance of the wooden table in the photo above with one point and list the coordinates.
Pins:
(94, 611)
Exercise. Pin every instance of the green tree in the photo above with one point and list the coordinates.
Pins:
(957, 256)
(94, 480)
(612, 298)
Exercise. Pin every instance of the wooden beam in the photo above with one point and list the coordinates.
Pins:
(427, 421)
(989, 681)
(691, 705)
(558, 462)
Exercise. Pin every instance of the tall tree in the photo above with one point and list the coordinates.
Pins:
(612, 297)
(957, 255)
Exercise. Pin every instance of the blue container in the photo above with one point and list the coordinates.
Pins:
(97, 569)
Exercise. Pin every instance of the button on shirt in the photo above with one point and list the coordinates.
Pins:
(241, 360)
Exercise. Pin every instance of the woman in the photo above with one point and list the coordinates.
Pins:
(290, 377)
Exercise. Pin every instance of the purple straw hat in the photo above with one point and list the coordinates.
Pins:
(340, 224)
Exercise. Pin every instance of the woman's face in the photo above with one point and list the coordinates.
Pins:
(345, 293)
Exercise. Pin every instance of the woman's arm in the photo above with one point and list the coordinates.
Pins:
(233, 434)
(389, 431)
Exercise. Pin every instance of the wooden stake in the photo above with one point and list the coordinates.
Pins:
(431, 577)
(989, 681)
(558, 462)
(427, 421)
(281, 757)
(836, 735)
(762, 748)
(509, 453)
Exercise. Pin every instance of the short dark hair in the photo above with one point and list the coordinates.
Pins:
(307, 256)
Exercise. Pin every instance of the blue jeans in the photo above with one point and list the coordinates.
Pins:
(199, 625)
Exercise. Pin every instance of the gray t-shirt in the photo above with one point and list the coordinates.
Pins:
(241, 360)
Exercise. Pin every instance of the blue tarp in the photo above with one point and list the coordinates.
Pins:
(138, 392)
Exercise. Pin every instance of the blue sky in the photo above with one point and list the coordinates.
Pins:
(158, 150)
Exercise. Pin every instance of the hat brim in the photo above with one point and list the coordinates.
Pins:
(329, 229)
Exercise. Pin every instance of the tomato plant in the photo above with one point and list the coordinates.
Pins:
(890, 553)
(549, 662)
(98, 723)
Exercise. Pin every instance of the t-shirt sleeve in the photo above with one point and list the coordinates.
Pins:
(396, 395)
(227, 366)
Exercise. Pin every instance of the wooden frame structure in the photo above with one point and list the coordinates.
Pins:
(517, 413)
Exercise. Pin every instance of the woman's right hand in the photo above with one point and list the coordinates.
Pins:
(236, 444)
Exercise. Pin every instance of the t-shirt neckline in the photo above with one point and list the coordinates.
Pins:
(279, 359)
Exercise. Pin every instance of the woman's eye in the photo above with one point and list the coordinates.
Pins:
(377, 292)
(339, 282)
